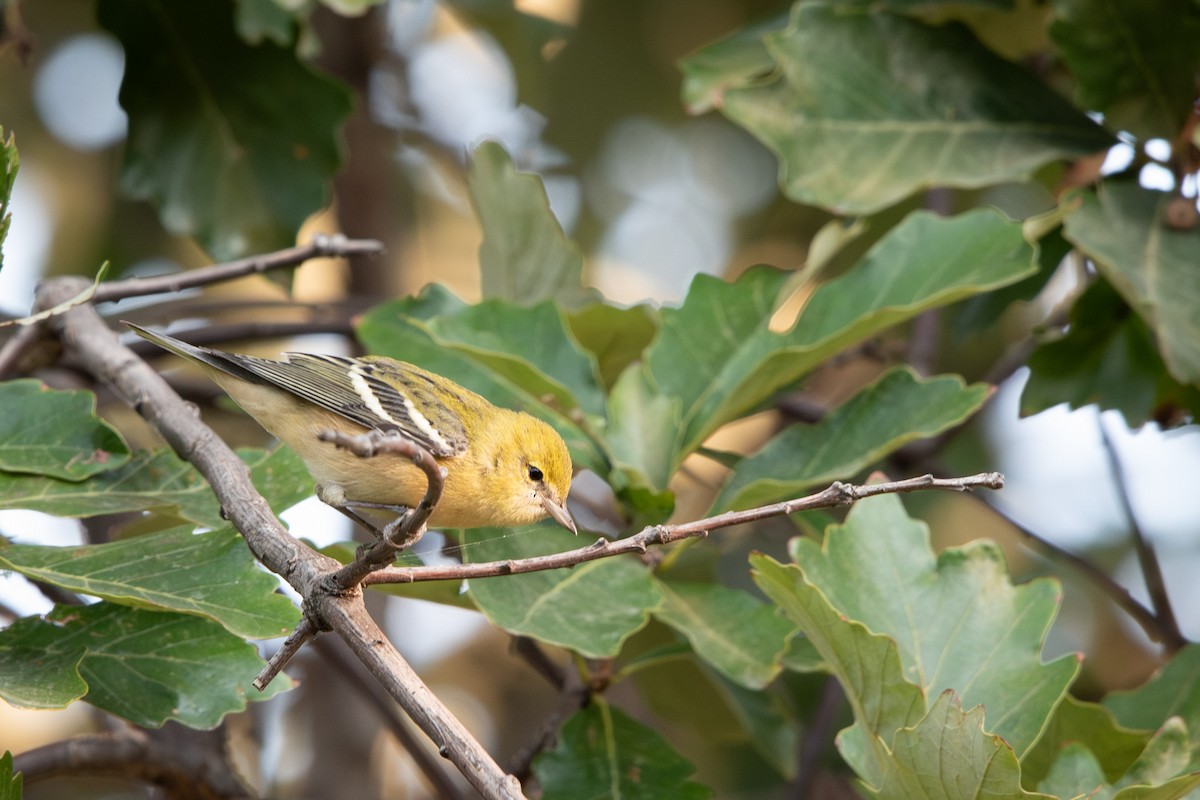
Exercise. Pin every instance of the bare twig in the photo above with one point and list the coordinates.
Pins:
(197, 771)
(838, 494)
(1143, 616)
(305, 630)
(321, 246)
(1156, 585)
(353, 673)
(539, 662)
(83, 332)
(573, 695)
(816, 739)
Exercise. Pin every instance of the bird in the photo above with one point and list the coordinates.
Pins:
(503, 468)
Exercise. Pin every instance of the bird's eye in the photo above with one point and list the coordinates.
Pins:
(535, 474)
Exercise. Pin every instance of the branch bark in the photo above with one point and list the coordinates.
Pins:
(838, 494)
(84, 333)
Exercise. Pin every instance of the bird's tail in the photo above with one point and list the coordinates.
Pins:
(228, 363)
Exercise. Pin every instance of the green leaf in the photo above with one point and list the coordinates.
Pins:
(616, 337)
(641, 438)
(36, 670)
(1161, 772)
(259, 20)
(1174, 691)
(898, 408)
(732, 631)
(1108, 357)
(591, 608)
(58, 434)
(948, 756)
(9, 163)
(10, 785)
(1135, 60)
(210, 575)
(515, 357)
(150, 479)
(957, 620)
(931, 105)
(144, 666)
(718, 354)
(1076, 772)
(1087, 725)
(1123, 229)
(866, 664)
(734, 61)
(525, 257)
(234, 144)
(602, 752)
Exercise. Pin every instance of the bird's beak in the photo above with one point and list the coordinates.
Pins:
(558, 512)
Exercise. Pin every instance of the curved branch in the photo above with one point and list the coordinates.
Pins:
(188, 773)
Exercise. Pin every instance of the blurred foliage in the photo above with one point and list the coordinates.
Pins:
(872, 110)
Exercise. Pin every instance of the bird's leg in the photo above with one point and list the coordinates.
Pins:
(334, 496)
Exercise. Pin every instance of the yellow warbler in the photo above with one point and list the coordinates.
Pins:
(502, 467)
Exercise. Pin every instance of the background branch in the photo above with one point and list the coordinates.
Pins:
(187, 764)
(1156, 585)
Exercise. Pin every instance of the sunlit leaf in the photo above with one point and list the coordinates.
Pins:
(870, 106)
(897, 408)
(210, 575)
(957, 620)
(144, 666)
(718, 354)
(948, 756)
(525, 257)
(866, 664)
(155, 480)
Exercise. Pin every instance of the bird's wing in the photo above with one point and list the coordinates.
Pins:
(369, 397)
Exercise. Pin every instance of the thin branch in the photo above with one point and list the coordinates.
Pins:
(816, 739)
(1143, 616)
(533, 655)
(573, 695)
(321, 246)
(303, 632)
(353, 673)
(1156, 585)
(838, 494)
